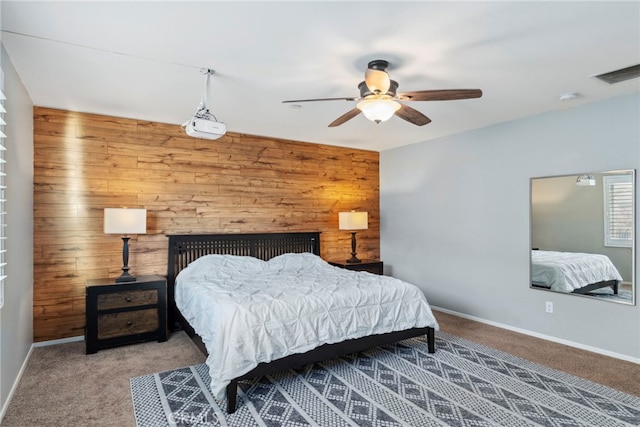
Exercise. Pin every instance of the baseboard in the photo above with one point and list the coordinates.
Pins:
(541, 336)
(15, 384)
(60, 341)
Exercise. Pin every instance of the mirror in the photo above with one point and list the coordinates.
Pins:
(582, 235)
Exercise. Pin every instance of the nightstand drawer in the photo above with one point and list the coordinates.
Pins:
(127, 299)
(127, 323)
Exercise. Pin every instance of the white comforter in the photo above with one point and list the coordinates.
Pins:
(567, 271)
(249, 311)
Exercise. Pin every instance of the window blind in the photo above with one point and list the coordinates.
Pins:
(3, 216)
(618, 203)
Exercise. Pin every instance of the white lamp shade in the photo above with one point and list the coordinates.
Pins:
(378, 110)
(353, 220)
(125, 221)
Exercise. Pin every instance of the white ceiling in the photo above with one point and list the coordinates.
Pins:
(142, 60)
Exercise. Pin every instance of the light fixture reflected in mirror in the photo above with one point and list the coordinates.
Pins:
(586, 181)
(378, 109)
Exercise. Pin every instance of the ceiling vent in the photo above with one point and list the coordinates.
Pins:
(620, 75)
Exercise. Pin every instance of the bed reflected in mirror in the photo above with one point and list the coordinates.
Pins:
(582, 235)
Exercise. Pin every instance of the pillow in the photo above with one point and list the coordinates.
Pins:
(224, 265)
(296, 262)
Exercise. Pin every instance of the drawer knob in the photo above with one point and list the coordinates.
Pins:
(129, 323)
(128, 299)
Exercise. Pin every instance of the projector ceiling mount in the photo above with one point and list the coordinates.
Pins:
(204, 124)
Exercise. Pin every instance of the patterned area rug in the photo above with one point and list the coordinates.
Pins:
(462, 384)
(621, 296)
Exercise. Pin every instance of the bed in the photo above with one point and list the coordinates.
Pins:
(573, 272)
(265, 251)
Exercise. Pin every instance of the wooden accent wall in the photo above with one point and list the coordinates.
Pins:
(84, 163)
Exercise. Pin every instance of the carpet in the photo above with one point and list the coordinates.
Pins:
(462, 384)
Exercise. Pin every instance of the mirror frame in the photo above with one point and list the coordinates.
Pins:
(633, 240)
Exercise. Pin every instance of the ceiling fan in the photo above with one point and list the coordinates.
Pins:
(378, 99)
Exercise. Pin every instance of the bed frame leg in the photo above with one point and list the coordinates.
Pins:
(232, 395)
(615, 288)
(431, 340)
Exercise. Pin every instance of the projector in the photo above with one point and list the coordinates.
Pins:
(203, 128)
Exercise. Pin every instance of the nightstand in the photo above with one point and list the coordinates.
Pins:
(125, 313)
(370, 265)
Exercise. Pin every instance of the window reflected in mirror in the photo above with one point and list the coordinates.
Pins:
(582, 235)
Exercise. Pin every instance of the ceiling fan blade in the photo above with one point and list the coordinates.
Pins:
(321, 99)
(343, 118)
(440, 95)
(412, 115)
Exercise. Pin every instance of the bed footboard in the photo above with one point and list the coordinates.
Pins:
(324, 352)
(592, 287)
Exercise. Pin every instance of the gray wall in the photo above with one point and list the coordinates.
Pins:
(567, 217)
(455, 218)
(16, 317)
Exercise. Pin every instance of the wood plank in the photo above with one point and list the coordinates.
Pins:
(173, 201)
(53, 156)
(41, 114)
(154, 128)
(71, 145)
(56, 327)
(50, 291)
(134, 187)
(103, 200)
(62, 184)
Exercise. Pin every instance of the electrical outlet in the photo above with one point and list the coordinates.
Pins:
(548, 307)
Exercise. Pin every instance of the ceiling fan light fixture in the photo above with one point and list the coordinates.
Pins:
(378, 96)
(378, 110)
(377, 81)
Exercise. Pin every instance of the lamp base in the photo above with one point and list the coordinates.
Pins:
(125, 277)
(354, 259)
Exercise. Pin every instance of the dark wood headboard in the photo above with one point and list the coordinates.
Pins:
(186, 248)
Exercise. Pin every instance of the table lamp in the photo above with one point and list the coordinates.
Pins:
(353, 221)
(125, 221)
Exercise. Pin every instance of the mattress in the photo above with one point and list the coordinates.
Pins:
(248, 311)
(568, 271)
